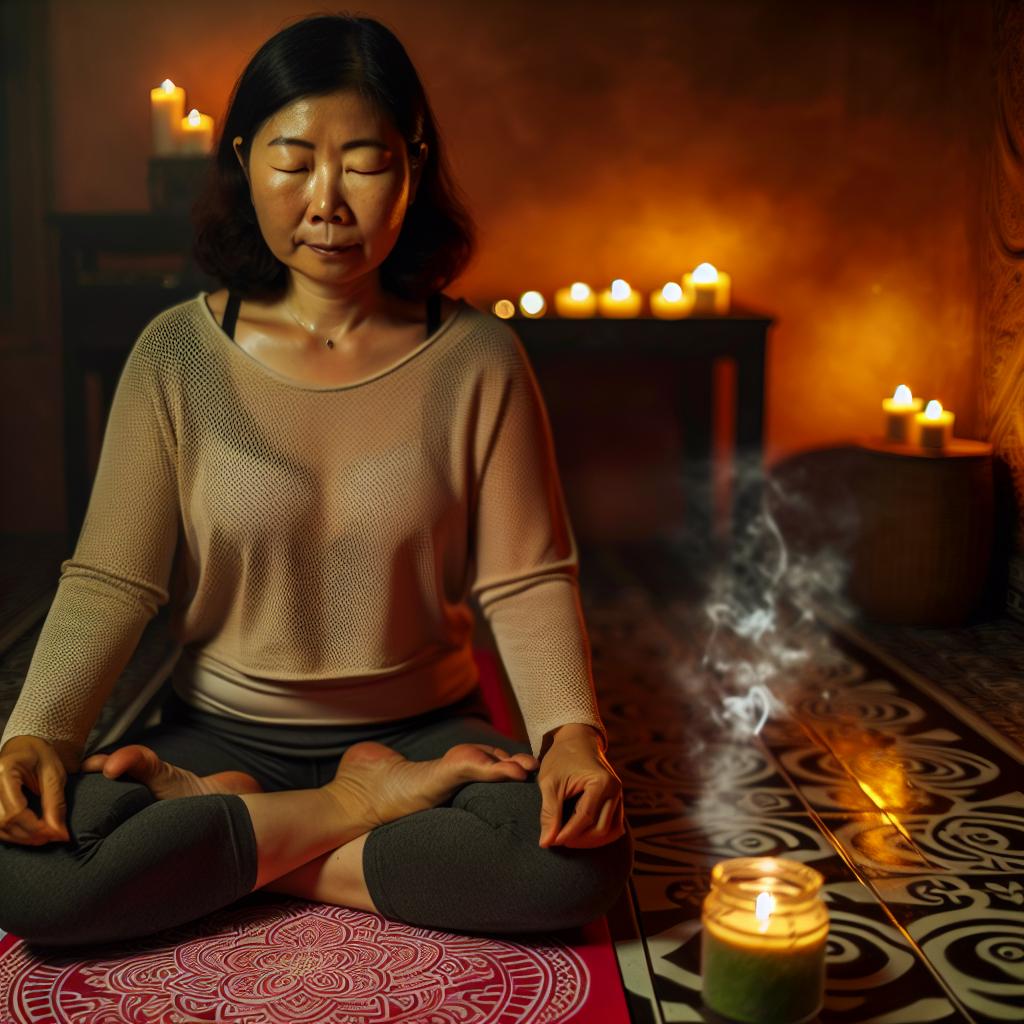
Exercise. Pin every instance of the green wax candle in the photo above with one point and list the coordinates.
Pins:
(763, 941)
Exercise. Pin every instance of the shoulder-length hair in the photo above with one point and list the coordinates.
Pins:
(315, 56)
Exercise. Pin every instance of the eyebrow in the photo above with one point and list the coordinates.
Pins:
(284, 140)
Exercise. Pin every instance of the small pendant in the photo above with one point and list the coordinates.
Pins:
(330, 344)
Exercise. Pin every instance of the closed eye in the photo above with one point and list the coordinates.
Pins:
(302, 170)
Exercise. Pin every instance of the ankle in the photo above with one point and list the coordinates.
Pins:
(352, 803)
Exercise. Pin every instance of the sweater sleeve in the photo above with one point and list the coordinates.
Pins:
(527, 565)
(117, 577)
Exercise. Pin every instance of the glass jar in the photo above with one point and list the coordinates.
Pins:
(764, 928)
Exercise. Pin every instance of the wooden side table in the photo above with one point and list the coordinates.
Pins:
(925, 538)
(688, 351)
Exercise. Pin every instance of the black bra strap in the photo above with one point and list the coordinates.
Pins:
(231, 314)
(433, 313)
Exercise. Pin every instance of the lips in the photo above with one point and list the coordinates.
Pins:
(329, 248)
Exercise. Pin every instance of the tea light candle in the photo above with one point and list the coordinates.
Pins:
(532, 304)
(196, 133)
(668, 303)
(900, 411)
(619, 300)
(707, 290)
(167, 108)
(578, 300)
(763, 941)
(935, 425)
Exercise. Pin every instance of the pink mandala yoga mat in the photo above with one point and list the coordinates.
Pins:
(271, 958)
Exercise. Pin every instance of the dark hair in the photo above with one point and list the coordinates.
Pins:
(315, 56)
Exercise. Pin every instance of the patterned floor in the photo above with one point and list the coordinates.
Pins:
(910, 805)
(905, 792)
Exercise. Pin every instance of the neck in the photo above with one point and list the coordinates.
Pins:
(335, 310)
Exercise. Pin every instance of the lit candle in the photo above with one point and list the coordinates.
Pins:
(167, 107)
(899, 415)
(532, 304)
(619, 300)
(668, 303)
(935, 425)
(196, 133)
(578, 300)
(706, 290)
(763, 941)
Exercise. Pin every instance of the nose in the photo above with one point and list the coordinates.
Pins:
(327, 202)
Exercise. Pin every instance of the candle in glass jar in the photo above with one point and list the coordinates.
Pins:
(935, 425)
(196, 134)
(900, 410)
(578, 300)
(167, 108)
(764, 929)
(706, 290)
(619, 300)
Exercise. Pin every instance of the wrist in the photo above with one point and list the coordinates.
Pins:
(576, 730)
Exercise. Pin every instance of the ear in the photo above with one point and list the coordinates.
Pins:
(236, 145)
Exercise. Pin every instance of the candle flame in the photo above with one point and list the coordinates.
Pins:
(620, 289)
(531, 302)
(903, 395)
(705, 274)
(167, 85)
(933, 410)
(579, 291)
(194, 117)
(763, 907)
(672, 292)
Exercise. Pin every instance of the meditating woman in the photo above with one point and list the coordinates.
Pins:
(317, 466)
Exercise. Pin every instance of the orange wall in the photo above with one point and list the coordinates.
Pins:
(829, 156)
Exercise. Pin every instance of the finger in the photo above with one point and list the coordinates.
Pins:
(54, 804)
(581, 821)
(550, 814)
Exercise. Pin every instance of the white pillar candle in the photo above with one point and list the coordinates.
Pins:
(900, 410)
(619, 300)
(707, 290)
(578, 300)
(167, 107)
(196, 135)
(935, 425)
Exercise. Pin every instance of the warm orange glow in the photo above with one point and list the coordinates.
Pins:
(167, 85)
(504, 308)
(880, 804)
(579, 291)
(933, 410)
(620, 289)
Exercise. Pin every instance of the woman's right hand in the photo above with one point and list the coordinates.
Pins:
(33, 762)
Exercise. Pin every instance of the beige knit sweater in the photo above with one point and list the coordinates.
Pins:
(319, 545)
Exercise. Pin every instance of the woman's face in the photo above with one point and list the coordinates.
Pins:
(330, 171)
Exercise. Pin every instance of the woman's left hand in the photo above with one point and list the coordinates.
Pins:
(577, 765)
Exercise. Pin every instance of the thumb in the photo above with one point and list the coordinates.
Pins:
(550, 815)
(54, 803)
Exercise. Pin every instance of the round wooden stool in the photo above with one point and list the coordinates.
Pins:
(925, 538)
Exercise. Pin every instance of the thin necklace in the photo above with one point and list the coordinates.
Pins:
(310, 330)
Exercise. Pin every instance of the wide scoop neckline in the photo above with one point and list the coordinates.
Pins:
(262, 368)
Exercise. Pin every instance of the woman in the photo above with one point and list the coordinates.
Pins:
(318, 489)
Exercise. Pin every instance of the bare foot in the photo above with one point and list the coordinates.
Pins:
(167, 781)
(379, 785)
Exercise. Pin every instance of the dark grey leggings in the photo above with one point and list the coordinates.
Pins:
(136, 865)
